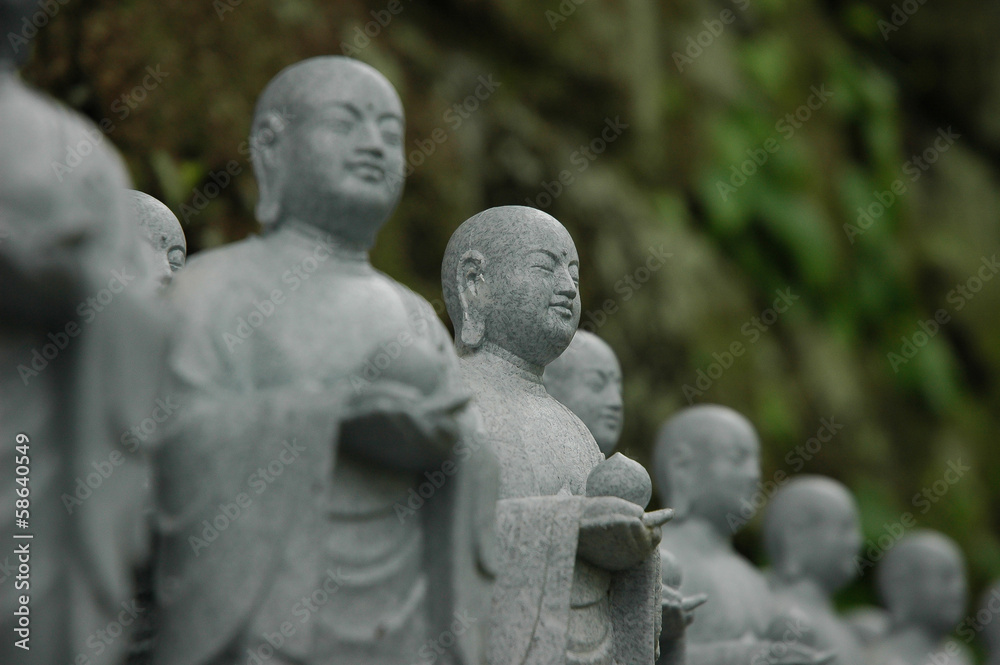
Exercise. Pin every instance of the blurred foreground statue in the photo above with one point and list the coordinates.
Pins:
(578, 577)
(165, 248)
(319, 502)
(706, 464)
(587, 378)
(81, 344)
(812, 534)
(921, 581)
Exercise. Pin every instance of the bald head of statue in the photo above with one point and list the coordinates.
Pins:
(327, 149)
(812, 531)
(165, 248)
(706, 464)
(15, 21)
(587, 378)
(510, 278)
(921, 581)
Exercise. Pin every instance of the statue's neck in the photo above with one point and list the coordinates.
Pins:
(322, 242)
(495, 358)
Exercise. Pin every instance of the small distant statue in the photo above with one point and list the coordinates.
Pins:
(706, 465)
(989, 605)
(869, 624)
(921, 581)
(578, 578)
(587, 378)
(165, 248)
(80, 350)
(319, 500)
(812, 534)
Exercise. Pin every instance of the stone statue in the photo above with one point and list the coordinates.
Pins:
(706, 464)
(869, 624)
(812, 534)
(921, 581)
(588, 379)
(80, 350)
(165, 248)
(578, 578)
(319, 502)
(989, 606)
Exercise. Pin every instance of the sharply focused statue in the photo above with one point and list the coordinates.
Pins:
(165, 248)
(812, 534)
(80, 350)
(587, 378)
(706, 464)
(578, 578)
(319, 501)
(921, 581)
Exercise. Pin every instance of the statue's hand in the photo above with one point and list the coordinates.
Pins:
(393, 420)
(678, 611)
(614, 535)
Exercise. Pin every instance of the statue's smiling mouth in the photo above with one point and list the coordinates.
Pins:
(564, 307)
(367, 170)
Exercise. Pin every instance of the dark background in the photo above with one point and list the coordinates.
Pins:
(566, 70)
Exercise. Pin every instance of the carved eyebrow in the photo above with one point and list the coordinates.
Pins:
(390, 116)
(350, 107)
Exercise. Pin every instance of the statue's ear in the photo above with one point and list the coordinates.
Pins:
(473, 294)
(264, 155)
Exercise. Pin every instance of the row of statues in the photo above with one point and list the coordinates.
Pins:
(278, 454)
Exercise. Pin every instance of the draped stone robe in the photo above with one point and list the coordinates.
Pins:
(279, 332)
(549, 606)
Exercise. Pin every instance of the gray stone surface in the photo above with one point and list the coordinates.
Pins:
(812, 534)
(587, 378)
(165, 248)
(867, 623)
(578, 577)
(986, 621)
(706, 464)
(81, 344)
(319, 496)
(921, 582)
